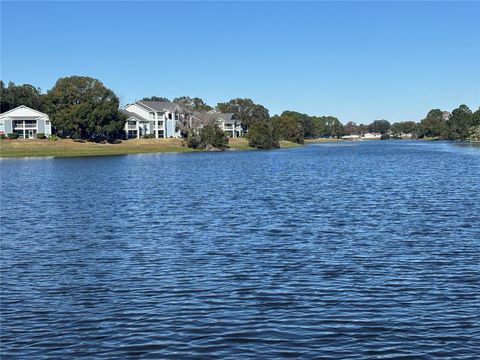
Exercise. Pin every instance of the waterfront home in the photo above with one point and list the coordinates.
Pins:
(158, 118)
(371, 136)
(25, 122)
(226, 121)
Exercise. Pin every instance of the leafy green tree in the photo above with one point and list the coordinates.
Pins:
(13, 95)
(246, 110)
(404, 127)
(476, 118)
(319, 124)
(434, 124)
(475, 133)
(263, 135)
(379, 126)
(460, 122)
(210, 136)
(289, 126)
(82, 107)
(189, 104)
(156, 98)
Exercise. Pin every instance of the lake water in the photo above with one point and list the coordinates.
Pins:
(334, 251)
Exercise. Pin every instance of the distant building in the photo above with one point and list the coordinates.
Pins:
(152, 117)
(228, 122)
(25, 122)
(446, 115)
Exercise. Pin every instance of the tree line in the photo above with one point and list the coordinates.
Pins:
(81, 107)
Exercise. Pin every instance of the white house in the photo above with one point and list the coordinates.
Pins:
(25, 122)
(152, 117)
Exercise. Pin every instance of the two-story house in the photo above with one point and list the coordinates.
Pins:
(25, 122)
(152, 117)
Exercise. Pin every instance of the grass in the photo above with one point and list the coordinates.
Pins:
(68, 148)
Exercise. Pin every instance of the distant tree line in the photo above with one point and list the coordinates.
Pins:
(81, 107)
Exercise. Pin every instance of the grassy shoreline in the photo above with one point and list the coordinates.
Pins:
(70, 148)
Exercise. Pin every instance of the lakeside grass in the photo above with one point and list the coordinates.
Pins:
(70, 148)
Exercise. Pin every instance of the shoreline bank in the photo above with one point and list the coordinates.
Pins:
(71, 148)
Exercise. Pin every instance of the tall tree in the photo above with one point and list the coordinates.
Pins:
(289, 127)
(13, 95)
(263, 135)
(155, 98)
(82, 107)
(404, 127)
(434, 124)
(189, 104)
(460, 122)
(246, 110)
(351, 128)
(379, 126)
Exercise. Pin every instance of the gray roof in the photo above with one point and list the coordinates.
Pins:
(131, 114)
(227, 117)
(160, 106)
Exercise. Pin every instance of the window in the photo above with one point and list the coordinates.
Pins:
(170, 115)
(160, 123)
(160, 133)
(47, 122)
(160, 114)
(176, 116)
(132, 122)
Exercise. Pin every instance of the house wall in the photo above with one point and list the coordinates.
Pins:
(134, 108)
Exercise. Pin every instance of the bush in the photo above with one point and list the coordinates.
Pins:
(385, 137)
(193, 142)
(2, 136)
(41, 136)
(212, 136)
(148, 136)
(263, 135)
(13, 136)
(53, 138)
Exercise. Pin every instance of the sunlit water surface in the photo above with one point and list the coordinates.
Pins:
(335, 251)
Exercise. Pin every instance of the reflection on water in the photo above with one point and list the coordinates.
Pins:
(325, 251)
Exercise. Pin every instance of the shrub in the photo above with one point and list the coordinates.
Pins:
(212, 136)
(2, 136)
(385, 137)
(193, 142)
(41, 136)
(53, 138)
(148, 136)
(13, 136)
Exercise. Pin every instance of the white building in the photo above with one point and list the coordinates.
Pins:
(152, 117)
(25, 122)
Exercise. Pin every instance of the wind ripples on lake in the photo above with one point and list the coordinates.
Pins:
(326, 251)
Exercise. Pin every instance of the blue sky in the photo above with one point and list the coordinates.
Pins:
(359, 61)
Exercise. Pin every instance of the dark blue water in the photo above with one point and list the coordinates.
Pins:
(330, 251)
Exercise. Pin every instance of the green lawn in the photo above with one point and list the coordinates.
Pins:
(67, 147)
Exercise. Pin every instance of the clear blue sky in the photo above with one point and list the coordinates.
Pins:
(359, 61)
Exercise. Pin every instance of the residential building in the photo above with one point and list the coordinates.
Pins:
(228, 122)
(152, 117)
(25, 122)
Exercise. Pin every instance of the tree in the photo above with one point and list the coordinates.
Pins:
(404, 127)
(460, 122)
(156, 98)
(13, 95)
(210, 136)
(82, 107)
(289, 126)
(434, 124)
(189, 104)
(263, 135)
(476, 118)
(379, 126)
(246, 110)
(351, 128)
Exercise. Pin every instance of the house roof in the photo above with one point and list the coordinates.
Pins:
(131, 114)
(227, 117)
(157, 105)
(23, 111)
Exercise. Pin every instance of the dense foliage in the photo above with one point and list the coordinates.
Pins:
(189, 104)
(13, 95)
(155, 98)
(209, 137)
(82, 107)
(263, 135)
(245, 110)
